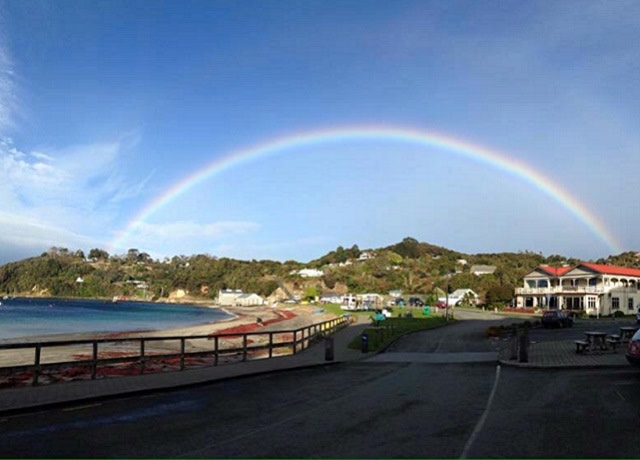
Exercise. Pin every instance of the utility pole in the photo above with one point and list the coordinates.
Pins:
(446, 306)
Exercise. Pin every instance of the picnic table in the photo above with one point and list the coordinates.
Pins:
(626, 332)
(596, 339)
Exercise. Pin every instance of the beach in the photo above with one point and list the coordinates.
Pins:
(243, 320)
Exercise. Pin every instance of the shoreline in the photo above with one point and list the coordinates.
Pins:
(272, 318)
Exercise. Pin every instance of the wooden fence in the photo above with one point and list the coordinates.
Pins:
(140, 349)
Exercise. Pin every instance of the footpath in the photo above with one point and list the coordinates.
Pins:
(542, 355)
(24, 399)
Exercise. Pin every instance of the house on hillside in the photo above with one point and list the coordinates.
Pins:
(595, 289)
(310, 273)
(480, 270)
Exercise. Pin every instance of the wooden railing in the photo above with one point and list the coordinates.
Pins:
(237, 344)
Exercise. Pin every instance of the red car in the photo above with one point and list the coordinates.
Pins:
(441, 304)
(633, 352)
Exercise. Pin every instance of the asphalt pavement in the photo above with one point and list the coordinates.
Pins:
(546, 353)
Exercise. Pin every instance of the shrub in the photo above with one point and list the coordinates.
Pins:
(618, 314)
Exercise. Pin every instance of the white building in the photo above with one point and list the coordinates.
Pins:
(593, 288)
(249, 300)
(480, 270)
(457, 297)
(310, 273)
(228, 297)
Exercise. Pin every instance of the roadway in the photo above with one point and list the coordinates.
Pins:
(454, 403)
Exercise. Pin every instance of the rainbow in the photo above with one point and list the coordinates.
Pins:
(427, 139)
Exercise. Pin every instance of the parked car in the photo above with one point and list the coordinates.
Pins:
(556, 318)
(416, 302)
(441, 304)
(633, 350)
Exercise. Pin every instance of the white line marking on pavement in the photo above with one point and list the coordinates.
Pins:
(483, 418)
(621, 397)
(87, 406)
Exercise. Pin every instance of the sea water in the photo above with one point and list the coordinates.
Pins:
(23, 317)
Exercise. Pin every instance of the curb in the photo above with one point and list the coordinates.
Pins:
(509, 363)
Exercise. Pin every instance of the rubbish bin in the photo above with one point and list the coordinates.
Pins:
(328, 349)
(365, 342)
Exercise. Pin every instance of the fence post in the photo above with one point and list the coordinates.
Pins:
(36, 370)
(94, 363)
(270, 344)
(295, 341)
(215, 341)
(142, 358)
(182, 345)
(244, 347)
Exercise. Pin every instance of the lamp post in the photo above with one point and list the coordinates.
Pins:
(446, 305)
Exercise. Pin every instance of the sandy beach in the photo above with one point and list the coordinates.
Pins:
(244, 320)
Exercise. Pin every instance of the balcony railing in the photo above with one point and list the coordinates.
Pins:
(561, 290)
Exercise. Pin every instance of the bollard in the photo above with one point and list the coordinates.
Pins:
(328, 349)
(365, 343)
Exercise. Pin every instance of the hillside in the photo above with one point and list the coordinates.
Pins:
(410, 265)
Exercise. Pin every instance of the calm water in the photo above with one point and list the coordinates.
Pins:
(34, 317)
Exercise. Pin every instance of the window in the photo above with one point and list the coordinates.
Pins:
(630, 304)
(591, 303)
(593, 281)
(543, 284)
(615, 303)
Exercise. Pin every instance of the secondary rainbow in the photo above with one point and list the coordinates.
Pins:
(429, 139)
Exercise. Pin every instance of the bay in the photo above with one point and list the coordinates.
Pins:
(30, 317)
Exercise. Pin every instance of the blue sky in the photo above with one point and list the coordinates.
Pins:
(106, 105)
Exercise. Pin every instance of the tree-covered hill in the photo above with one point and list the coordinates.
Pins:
(412, 266)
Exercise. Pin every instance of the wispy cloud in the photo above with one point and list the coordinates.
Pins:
(75, 191)
(8, 98)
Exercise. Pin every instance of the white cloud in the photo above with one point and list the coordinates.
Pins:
(61, 196)
(7, 89)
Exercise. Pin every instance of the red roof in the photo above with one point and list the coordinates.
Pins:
(598, 268)
(612, 269)
(554, 271)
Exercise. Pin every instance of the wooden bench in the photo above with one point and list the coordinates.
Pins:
(613, 340)
(581, 346)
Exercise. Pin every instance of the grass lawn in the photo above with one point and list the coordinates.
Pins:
(391, 328)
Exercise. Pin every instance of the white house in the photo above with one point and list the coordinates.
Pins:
(310, 273)
(483, 269)
(593, 288)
